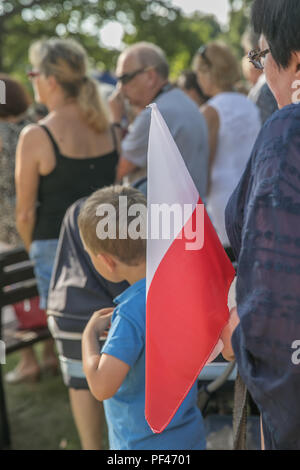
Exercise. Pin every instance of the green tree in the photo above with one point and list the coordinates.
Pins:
(238, 22)
(22, 21)
(180, 36)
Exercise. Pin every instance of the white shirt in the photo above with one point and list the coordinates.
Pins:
(240, 124)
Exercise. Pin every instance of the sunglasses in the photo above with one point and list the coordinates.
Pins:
(31, 74)
(202, 52)
(255, 56)
(127, 77)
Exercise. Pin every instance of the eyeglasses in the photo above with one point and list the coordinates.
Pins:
(127, 77)
(255, 56)
(33, 74)
(202, 52)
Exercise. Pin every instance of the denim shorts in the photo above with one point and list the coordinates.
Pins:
(42, 253)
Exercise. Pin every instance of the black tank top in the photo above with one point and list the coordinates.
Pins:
(71, 179)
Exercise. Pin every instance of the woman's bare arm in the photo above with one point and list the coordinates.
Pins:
(213, 124)
(27, 181)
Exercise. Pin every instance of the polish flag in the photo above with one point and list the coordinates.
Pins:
(188, 279)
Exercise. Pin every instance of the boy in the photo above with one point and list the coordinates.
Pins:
(117, 375)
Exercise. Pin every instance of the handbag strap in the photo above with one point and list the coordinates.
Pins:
(240, 408)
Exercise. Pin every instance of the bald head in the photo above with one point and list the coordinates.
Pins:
(147, 54)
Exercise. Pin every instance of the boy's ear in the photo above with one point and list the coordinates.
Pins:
(107, 260)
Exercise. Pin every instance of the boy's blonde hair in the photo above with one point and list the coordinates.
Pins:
(129, 251)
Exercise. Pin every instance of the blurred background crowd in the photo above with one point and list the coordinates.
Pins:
(81, 124)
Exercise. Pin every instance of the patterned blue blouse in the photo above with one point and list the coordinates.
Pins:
(263, 225)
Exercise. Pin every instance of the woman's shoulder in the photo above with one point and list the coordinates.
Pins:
(31, 140)
(229, 97)
(30, 128)
(33, 132)
(281, 130)
(284, 117)
(234, 104)
(238, 116)
(276, 154)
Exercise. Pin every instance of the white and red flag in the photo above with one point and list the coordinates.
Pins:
(188, 279)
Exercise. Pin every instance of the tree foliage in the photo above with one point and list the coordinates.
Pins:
(238, 23)
(23, 21)
(157, 21)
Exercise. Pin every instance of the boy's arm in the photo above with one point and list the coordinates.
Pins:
(105, 374)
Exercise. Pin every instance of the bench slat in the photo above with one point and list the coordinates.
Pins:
(18, 255)
(17, 295)
(16, 275)
(13, 275)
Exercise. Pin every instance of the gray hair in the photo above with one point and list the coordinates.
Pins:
(150, 55)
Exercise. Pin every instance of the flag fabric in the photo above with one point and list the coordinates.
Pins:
(187, 289)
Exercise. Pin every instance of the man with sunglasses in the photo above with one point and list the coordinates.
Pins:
(142, 73)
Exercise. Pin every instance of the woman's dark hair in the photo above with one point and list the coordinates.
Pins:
(279, 22)
(16, 97)
(188, 81)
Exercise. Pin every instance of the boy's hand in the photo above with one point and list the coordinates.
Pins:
(100, 320)
(227, 333)
(105, 374)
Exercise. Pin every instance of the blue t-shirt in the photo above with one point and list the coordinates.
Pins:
(125, 411)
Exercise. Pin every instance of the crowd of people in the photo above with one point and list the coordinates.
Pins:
(242, 154)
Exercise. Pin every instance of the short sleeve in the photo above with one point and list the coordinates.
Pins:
(135, 144)
(125, 340)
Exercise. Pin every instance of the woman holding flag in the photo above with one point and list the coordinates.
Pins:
(263, 225)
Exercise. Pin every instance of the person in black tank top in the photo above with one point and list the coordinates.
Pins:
(61, 83)
(71, 179)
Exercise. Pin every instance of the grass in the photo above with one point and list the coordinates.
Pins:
(40, 416)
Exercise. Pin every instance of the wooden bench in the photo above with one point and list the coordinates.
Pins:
(17, 283)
